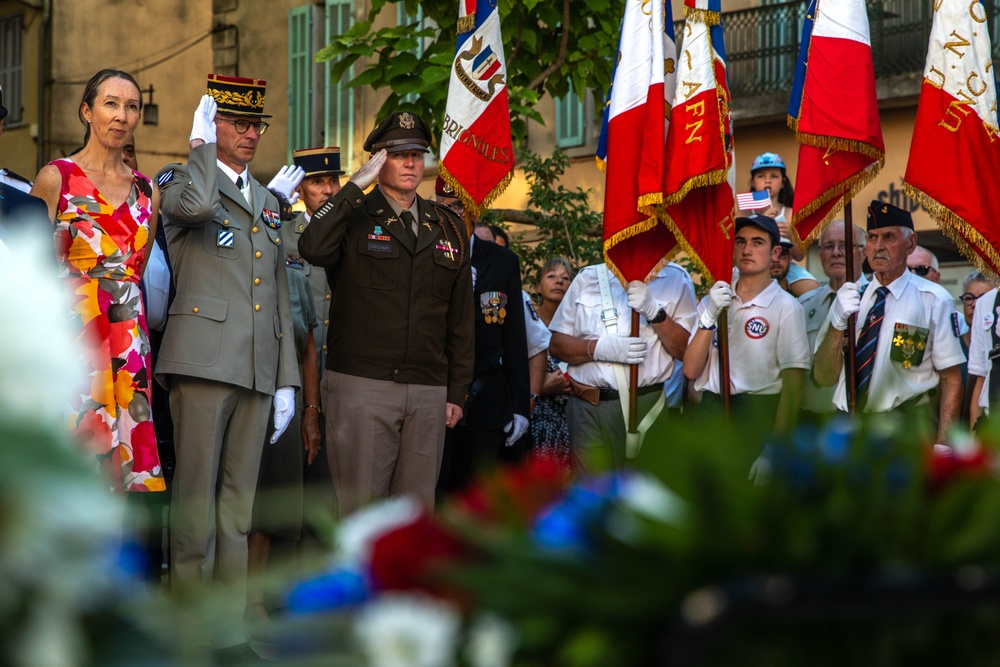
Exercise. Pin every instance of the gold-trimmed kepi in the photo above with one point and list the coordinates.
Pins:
(315, 161)
(238, 95)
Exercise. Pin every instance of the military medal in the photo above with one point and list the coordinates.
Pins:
(271, 219)
(449, 252)
(494, 307)
(908, 344)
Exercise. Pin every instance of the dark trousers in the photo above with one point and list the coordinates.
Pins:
(467, 452)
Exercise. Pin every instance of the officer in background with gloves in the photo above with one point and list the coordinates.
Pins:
(591, 331)
(228, 348)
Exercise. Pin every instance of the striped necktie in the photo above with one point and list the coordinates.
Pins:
(867, 346)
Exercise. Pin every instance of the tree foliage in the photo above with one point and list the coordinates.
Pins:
(548, 47)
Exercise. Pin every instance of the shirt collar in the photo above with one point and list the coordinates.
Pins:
(764, 299)
(232, 174)
(897, 286)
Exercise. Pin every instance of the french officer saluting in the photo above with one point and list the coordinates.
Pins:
(228, 345)
(400, 353)
(907, 330)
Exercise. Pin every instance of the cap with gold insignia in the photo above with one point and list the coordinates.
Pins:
(443, 189)
(237, 95)
(402, 131)
(881, 214)
(316, 161)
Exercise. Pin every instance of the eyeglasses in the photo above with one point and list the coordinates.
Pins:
(969, 298)
(785, 251)
(242, 125)
(922, 270)
(839, 247)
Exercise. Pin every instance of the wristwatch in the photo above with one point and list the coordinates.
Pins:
(660, 317)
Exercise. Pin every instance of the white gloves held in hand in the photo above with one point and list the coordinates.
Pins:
(368, 174)
(720, 297)
(203, 125)
(284, 408)
(641, 301)
(620, 350)
(847, 303)
(286, 180)
(516, 428)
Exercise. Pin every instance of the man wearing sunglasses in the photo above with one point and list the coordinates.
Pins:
(923, 263)
(228, 348)
(780, 271)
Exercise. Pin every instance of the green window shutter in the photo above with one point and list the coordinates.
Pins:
(299, 83)
(339, 121)
(569, 120)
(12, 66)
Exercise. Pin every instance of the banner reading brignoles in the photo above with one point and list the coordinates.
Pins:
(699, 186)
(955, 155)
(477, 150)
(834, 112)
(631, 146)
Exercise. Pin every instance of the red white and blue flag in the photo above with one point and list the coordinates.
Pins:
(631, 146)
(955, 152)
(834, 112)
(755, 200)
(477, 151)
(699, 181)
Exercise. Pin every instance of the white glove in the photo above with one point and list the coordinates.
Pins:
(516, 427)
(286, 180)
(620, 350)
(284, 408)
(847, 303)
(720, 297)
(203, 126)
(368, 174)
(641, 301)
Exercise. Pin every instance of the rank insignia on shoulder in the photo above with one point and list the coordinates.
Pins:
(225, 239)
(494, 307)
(165, 178)
(908, 344)
(294, 262)
(955, 327)
(271, 219)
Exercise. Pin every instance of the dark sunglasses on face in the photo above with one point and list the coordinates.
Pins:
(922, 270)
(969, 298)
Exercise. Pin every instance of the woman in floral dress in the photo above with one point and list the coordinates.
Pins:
(105, 219)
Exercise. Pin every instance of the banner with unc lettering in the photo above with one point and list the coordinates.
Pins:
(834, 112)
(955, 153)
(699, 182)
(477, 150)
(631, 146)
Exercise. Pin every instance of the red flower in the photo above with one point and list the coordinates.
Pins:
(515, 494)
(945, 465)
(409, 557)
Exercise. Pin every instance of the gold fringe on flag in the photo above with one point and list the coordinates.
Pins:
(466, 24)
(471, 205)
(623, 235)
(836, 143)
(685, 245)
(601, 164)
(716, 177)
(705, 16)
(966, 237)
(649, 203)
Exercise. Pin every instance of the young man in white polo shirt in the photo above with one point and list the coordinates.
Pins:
(985, 337)
(768, 347)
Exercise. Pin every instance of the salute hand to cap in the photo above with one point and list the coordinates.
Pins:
(368, 174)
(847, 303)
(286, 180)
(620, 350)
(641, 301)
(203, 126)
(720, 297)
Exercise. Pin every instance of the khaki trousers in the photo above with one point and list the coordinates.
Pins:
(383, 438)
(219, 432)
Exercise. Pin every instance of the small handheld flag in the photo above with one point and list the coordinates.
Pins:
(756, 200)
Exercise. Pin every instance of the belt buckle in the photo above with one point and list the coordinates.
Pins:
(609, 315)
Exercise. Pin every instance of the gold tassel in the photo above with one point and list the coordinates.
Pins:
(601, 164)
(466, 24)
(703, 15)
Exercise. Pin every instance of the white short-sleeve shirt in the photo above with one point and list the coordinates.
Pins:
(579, 315)
(766, 335)
(917, 302)
(538, 334)
(985, 320)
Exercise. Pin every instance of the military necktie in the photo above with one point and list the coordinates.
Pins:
(410, 224)
(239, 182)
(867, 346)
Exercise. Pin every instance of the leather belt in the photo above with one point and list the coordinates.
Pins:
(595, 395)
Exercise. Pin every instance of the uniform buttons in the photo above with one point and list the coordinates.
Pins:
(195, 309)
(225, 222)
(256, 306)
(257, 254)
(326, 323)
(254, 229)
(396, 372)
(281, 334)
(327, 297)
(277, 241)
(324, 347)
(256, 281)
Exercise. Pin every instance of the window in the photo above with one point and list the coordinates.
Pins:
(569, 120)
(12, 66)
(404, 19)
(299, 79)
(339, 116)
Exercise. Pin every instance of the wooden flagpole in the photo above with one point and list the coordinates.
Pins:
(723, 331)
(633, 383)
(849, 349)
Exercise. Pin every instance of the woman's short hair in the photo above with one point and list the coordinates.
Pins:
(974, 277)
(554, 263)
(94, 85)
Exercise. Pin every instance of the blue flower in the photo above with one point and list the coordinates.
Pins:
(343, 587)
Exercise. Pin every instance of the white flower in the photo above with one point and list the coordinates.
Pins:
(359, 531)
(491, 642)
(647, 496)
(401, 630)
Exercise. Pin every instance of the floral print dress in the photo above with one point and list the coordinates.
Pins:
(101, 253)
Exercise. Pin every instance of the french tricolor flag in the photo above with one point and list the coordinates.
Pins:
(955, 152)
(631, 146)
(834, 112)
